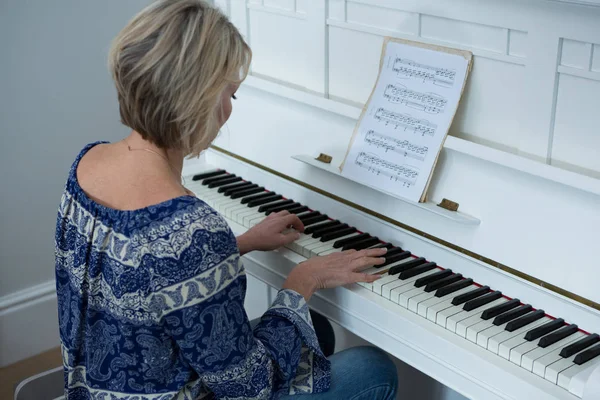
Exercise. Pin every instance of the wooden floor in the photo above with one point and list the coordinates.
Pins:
(11, 375)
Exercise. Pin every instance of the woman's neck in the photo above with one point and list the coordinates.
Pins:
(173, 157)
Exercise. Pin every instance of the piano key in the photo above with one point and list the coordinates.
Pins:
(469, 330)
(231, 191)
(393, 251)
(328, 245)
(265, 208)
(454, 287)
(318, 233)
(283, 207)
(264, 200)
(524, 320)
(506, 341)
(311, 214)
(529, 358)
(494, 311)
(417, 270)
(199, 177)
(415, 262)
(342, 242)
(559, 366)
(443, 301)
(314, 220)
(323, 226)
(558, 335)
(414, 302)
(338, 234)
(362, 244)
(515, 313)
(458, 313)
(461, 325)
(377, 285)
(473, 294)
(544, 329)
(256, 196)
(440, 283)
(246, 192)
(587, 355)
(403, 255)
(223, 182)
(579, 345)
(217, 178)
(574, 378)
(236, 185)
(393, 289)
(481, 337)
(482, 300)
(540, 364)
(298, 210)
(423, 281)
(388, 246)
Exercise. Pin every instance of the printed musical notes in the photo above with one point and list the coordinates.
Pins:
(404, 147)
(402, 128)
(404, 174)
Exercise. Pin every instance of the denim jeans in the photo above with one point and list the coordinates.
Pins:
(358, 373)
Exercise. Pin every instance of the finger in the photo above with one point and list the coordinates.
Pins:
(289, 237)
(361, 277)
(293, 221)
(364, 262)
(371, 252)
(282, 213)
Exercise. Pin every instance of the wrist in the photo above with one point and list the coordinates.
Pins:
(302, 284)
(244, 245)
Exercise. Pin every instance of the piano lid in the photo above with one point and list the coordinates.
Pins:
(522, 155)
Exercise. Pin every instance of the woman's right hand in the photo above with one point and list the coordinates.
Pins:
(336, 269)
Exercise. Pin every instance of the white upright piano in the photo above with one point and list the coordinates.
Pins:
(498, 300)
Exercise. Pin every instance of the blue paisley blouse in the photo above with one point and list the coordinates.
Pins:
(151, 306)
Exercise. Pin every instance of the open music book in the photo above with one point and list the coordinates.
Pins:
(403, 125)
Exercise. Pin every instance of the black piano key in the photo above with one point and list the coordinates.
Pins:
(233, 186)
(395, 257)
(310, 215)
(417, 270)
(247, 192)
(245, 186)
(267, 207)
(337, 234)
(473, 294)
(482, 301)
(314, 220)
(442, 282)
(579, 345)
(540, 331)
(343, 242)
(384, 246)
(208, 181)
(426, 280)
(415, 262)
(319, 232)
(256, 196)
(512, 314)
(524, 320)
(298, 210)
(394, 251)
(587, 355)
(325, 225)
(283, 207)
(199, 177)
(456, 286)
(264, 200)
(224, 182)
(555, 336)
(499, 309)
(363, 244)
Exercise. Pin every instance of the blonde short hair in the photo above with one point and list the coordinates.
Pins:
(170, 65)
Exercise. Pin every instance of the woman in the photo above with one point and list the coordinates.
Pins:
(150, 281)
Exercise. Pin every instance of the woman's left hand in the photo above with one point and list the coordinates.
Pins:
(271, 233)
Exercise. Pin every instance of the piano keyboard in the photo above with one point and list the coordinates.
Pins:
(545, 346)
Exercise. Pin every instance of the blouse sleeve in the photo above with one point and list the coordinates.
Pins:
(206, 318)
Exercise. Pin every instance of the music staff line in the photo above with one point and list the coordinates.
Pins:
(406, 68)
(404, 147)
(406, 121)
(428, 102)
(397, 173)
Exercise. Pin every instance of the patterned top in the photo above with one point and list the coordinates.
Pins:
(151, 306)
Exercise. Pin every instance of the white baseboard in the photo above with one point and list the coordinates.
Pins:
(28, 323)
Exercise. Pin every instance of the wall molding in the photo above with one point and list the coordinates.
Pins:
(28, 323)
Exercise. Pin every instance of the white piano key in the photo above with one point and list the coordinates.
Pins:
(232, 211)
(256, 221)
(370, 271)
(386, 278)
(245, 218)
(395, 287)
(452, 320)
(516, 353)
(329, 245)
(504, 342)
(469, 323)
(573, 377)
(540, 365)
(406, 295)
(414, 302)
(528, 358)
(552, 370)
(427, 304)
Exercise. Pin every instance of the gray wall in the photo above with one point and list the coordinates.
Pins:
(55, 96)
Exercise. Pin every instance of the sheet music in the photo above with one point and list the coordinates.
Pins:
(403, 127)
